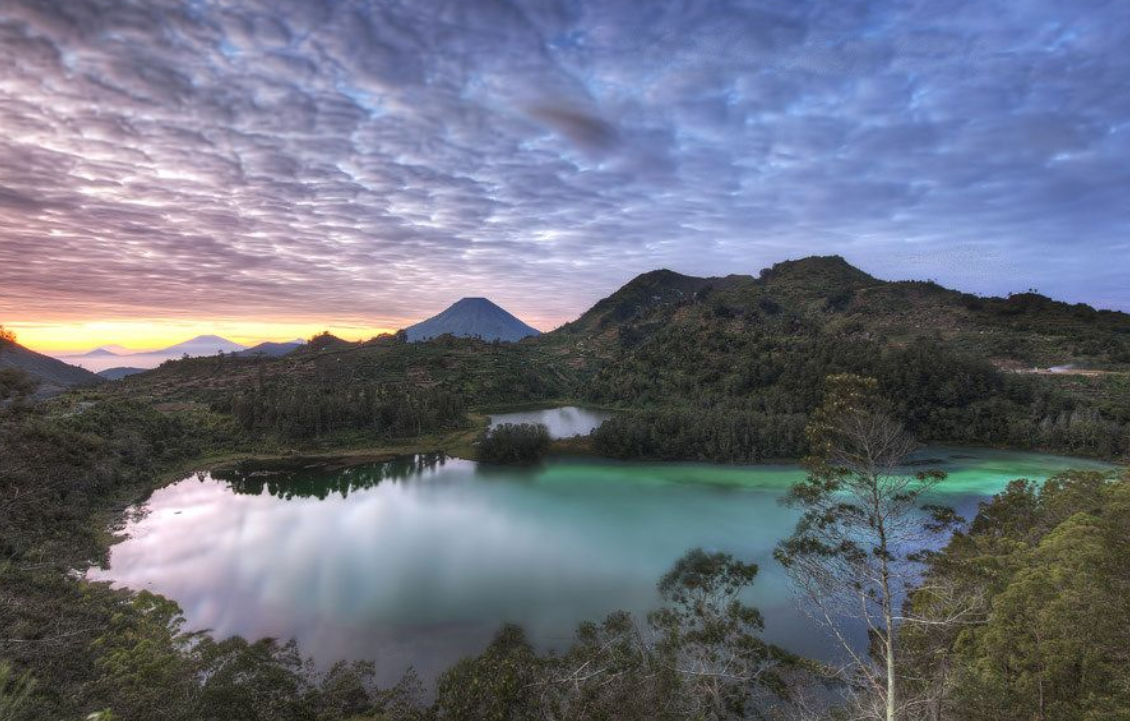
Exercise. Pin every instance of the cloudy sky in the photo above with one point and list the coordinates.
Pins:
(264, 168)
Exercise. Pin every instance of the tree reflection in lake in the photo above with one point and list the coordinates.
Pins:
(289, 481)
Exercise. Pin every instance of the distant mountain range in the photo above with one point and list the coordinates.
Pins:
(120, 372)
(472, 318)
(114, 357)
(467, 318)
(666, 340)
(114, 362)
(99, 353)
(200, 345)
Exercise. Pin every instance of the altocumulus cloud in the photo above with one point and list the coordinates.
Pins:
(371, 161)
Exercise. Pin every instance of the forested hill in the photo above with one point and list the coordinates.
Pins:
(50, 375)
(727, 368)
(828, 295)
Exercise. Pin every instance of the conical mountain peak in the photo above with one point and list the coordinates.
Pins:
(472, 317)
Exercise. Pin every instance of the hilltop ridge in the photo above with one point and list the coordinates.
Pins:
(826, 294)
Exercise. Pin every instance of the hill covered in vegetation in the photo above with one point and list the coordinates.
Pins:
(51, 376)
(728, 368)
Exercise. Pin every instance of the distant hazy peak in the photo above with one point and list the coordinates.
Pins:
(203, 344)
(98, 352)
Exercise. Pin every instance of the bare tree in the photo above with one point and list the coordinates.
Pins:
(854, 553)
(700, 656)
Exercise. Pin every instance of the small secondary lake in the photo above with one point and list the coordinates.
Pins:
(417, 561)
(566, 422)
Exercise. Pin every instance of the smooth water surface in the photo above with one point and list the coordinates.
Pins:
(565, 422)
(417, 562)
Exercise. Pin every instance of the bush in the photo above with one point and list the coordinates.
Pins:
(514, 443)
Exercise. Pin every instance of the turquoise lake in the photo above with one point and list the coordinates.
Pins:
(416, 562)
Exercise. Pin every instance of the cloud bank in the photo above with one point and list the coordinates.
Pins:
(370, 162)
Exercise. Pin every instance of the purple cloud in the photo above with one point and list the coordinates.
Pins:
(372, 161)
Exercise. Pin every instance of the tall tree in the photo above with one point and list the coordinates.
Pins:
(853, 552)
(712, 640)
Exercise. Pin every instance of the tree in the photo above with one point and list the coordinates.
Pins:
(853, 552)
(710, 638)
(700, 656)
(143, 662)
(497, 685)
(16, 383)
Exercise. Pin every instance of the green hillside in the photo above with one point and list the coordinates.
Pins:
(51, 376)
(727, 368)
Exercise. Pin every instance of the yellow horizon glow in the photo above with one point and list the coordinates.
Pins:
(149, 335)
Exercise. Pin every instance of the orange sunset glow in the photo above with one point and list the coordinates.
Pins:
(144, 335)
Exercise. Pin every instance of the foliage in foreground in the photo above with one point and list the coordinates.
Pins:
(1041, 581)
(700, 656)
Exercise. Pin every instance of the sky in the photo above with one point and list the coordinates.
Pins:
(268, 168)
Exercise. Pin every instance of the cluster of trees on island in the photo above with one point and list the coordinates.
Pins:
(1022, 614)
(514, 443)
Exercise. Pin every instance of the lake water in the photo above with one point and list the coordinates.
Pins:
(564, 422)
(416, 562)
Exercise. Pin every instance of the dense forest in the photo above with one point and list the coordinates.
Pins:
(309, 411)
(751, 405)
(747, 356)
